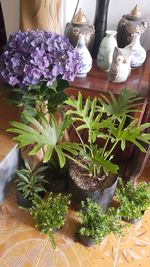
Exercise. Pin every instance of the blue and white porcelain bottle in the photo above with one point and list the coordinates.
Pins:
(138, 54)
(85, 57)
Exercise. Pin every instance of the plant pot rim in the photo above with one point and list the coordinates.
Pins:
(89, 183)
(85, 240)
(132, 220)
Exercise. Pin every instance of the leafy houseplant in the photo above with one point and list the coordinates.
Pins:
(109, 120)
(133, 200)
(93, 168)
(29, 183)
(50, 214)
(95, 224)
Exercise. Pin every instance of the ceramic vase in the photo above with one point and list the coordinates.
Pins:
(84, 56)
(138, 54)
(131, 23)
(106, 49)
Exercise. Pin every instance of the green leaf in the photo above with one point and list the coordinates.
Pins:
(60, 156)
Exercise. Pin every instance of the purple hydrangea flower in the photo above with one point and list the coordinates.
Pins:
(37, 57)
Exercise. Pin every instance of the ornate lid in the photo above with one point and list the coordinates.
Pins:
(80, 17)
(135, 12)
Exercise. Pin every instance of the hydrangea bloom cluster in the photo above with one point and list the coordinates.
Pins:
(37, 57)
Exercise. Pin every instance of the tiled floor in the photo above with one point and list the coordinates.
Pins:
(21, 245)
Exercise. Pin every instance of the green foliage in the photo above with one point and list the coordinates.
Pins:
(30, 181)
(44, 134)
(109, 121)
(133, 200)
(50, 214)
(95, 223)
(53, 94)
(124, 104)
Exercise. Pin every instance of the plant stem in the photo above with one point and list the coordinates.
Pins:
(79, 137)
(111, 149)
(76, 161)
(105, 146)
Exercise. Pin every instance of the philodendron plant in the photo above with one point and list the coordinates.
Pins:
(109, 119)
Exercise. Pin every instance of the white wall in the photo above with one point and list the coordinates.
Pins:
(11, 15)
(116, 9)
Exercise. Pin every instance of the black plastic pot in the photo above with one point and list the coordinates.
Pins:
(23, 202)
(56, 185)
(102, 196)
(85, 240)
(132, 221)
(56, 181)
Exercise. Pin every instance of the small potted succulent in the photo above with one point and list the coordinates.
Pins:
(29, 182)
(93, 169)
(50, 215)
(134, 200)
(96, 225)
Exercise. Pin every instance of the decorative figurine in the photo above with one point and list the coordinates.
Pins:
(106, 49)
(79, 24)
(121, 64)
(128, 24)
(85, 57)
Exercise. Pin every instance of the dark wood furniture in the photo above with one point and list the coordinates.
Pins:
(97, 82)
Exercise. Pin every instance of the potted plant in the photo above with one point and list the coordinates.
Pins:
(110, 121)
(96, 225)
(35, 68)
(50, 214)
(93, 168)
(133, 200)
(29, 182)
(56, 177)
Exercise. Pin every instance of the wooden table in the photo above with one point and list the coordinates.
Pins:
(97, 82)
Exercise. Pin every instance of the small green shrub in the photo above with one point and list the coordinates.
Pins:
(50, 214)
(95, 223)
(133, 200)
(29, 182)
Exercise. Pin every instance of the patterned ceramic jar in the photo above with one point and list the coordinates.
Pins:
(138, 54)
(85, 57)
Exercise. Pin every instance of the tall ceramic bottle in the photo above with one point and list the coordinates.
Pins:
(85, 57)
(138, 54)
(106, 49)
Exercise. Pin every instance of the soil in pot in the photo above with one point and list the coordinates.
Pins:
(99, 189)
